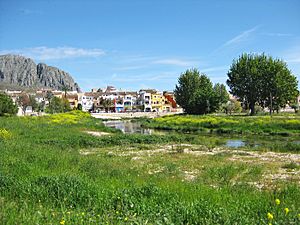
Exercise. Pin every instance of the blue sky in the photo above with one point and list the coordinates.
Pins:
(135, 44)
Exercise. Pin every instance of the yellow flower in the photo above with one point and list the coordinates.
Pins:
(286, 210)
(270, 216)
(269, 224)
(62, 222)
(69, 213)
(299, 216)
(277, 201)
(126, 219)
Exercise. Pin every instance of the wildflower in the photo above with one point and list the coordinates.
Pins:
(62, 222)
(270, 216)
(269, 224)
(69, 213)
(286, 210)
(126, 219)
(277, 201)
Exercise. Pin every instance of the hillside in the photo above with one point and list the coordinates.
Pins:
(18, 71)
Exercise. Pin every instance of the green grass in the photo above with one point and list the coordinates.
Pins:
(46, 178)
(276, 125)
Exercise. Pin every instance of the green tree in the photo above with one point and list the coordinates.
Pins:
(66, 105)
(221, 94)
(41, 106)
(26, 100)
(58, 105)
(107, 104)
(186, 90)
(65, 89)
(49, 96)
(232, 106)
(196, 95)
(258, 79)
(281, 86)
(206, 101)
(33, 103)
(7, 106)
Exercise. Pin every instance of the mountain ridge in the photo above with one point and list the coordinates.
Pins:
(20, 71)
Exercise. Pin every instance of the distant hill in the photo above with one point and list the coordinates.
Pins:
(18, 71)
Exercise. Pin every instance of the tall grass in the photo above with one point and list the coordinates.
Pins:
(44, 179)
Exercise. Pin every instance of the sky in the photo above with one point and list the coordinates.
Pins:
(135, 44)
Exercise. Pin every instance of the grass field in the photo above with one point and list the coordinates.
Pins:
(70, 169)
(283, 124)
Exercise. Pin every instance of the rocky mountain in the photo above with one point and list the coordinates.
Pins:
(19, 71)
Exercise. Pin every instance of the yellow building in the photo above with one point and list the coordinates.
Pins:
(157, 101)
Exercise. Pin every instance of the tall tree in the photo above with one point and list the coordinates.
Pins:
(281, 86)
(195, 93)
(49, 96)
(7, 106)
(58, 105)
(65, 89)
(33, 103)
(244, 79)
(258, 79)
(186, 90)
(206, 101)
(221, 94)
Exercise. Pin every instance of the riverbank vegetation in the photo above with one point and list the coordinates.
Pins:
(284, 124)
(52, 171)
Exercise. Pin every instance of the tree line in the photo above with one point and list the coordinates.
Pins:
(255, 79)
(56, 104)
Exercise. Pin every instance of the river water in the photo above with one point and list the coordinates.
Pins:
(133, 127)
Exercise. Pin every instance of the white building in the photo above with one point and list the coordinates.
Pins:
(145, 100)
(86, 100)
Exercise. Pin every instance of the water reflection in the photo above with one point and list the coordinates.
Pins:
(128, 127)
(235, 143)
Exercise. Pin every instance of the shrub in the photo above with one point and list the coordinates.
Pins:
(7, 106)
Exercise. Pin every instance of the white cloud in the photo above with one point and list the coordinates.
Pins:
(124, 68)
(145, 77)
(175, 62)
(241, 37)
(213, 69)
(46, 53)
(278, 34)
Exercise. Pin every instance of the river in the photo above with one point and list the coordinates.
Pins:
(134, 127)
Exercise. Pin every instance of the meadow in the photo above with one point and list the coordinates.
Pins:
(282, 124)
(54, 171)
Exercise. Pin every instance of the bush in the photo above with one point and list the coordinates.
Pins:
(7, 106)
